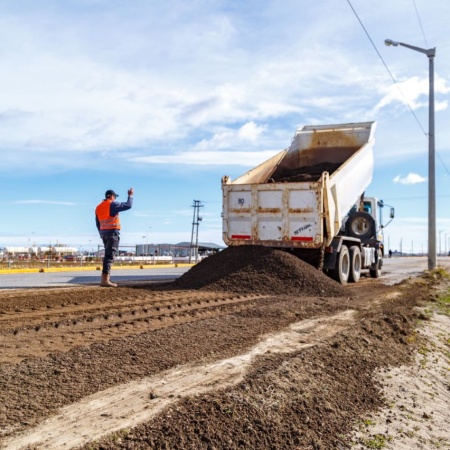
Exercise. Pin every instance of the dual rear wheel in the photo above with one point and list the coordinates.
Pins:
(375, 272)
(348, 265)
(355, 264)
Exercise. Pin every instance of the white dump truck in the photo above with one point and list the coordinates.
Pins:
(309, 199)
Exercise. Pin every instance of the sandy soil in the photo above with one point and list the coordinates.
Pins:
(267, 353)
(417, 395)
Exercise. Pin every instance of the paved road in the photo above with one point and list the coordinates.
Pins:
(394, 270)
(86, 277)
(397, 269)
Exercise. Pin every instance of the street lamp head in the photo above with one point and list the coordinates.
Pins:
(389, 42)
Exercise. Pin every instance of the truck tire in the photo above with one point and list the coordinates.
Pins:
(342, 270)
(360, 225)
(376, 272)
(355, 264)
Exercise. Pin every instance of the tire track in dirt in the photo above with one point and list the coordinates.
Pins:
(133, 403)
(36, 332)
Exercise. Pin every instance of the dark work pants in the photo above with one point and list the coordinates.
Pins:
(111, 243)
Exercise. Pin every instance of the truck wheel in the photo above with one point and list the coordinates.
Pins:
(376, 272)
(360, 225)
(355, 264)
(342, 270)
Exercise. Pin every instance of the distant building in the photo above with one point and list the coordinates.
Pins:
(59, 251)
(181, 249)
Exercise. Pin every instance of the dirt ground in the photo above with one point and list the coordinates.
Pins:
(247, 350)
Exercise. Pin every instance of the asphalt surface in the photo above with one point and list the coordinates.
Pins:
(395, 270)
(86, 277)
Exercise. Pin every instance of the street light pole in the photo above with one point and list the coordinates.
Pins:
(431, 53)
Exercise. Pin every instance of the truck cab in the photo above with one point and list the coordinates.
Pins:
(366, 227)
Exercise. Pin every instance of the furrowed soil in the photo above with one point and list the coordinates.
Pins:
(250, 349)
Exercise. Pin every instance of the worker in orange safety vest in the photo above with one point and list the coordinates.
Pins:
(108, 225)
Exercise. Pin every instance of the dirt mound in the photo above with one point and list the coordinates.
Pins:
(307, 173)
(257, 269)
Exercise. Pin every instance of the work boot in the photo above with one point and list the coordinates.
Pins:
(106, 282)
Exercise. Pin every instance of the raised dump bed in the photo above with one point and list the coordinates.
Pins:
(300, 197)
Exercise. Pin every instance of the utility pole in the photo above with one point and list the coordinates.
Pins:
(431, 53)
(195, 223)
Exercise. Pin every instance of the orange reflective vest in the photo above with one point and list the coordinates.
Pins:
(106, 221)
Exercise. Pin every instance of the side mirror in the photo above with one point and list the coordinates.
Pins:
(392, 213)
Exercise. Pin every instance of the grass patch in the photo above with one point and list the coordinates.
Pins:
(443, 304)
(368, 422)
(378, 441)
(437, 274)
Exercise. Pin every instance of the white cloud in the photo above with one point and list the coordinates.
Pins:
(222, 158)
(411, 178)
(413, 91)
(42, 202)
(113, 81)
(148, 77)
(248, 133)
(441, 105)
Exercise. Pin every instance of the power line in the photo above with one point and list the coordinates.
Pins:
(442, 162)
(387, 68)
(426, 45)
(420, 23)
(413, 197)
(392, 76)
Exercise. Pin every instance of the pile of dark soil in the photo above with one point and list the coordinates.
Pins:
(258, 269)
(307, 173)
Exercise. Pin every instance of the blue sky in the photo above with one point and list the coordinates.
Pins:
(169, 96)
